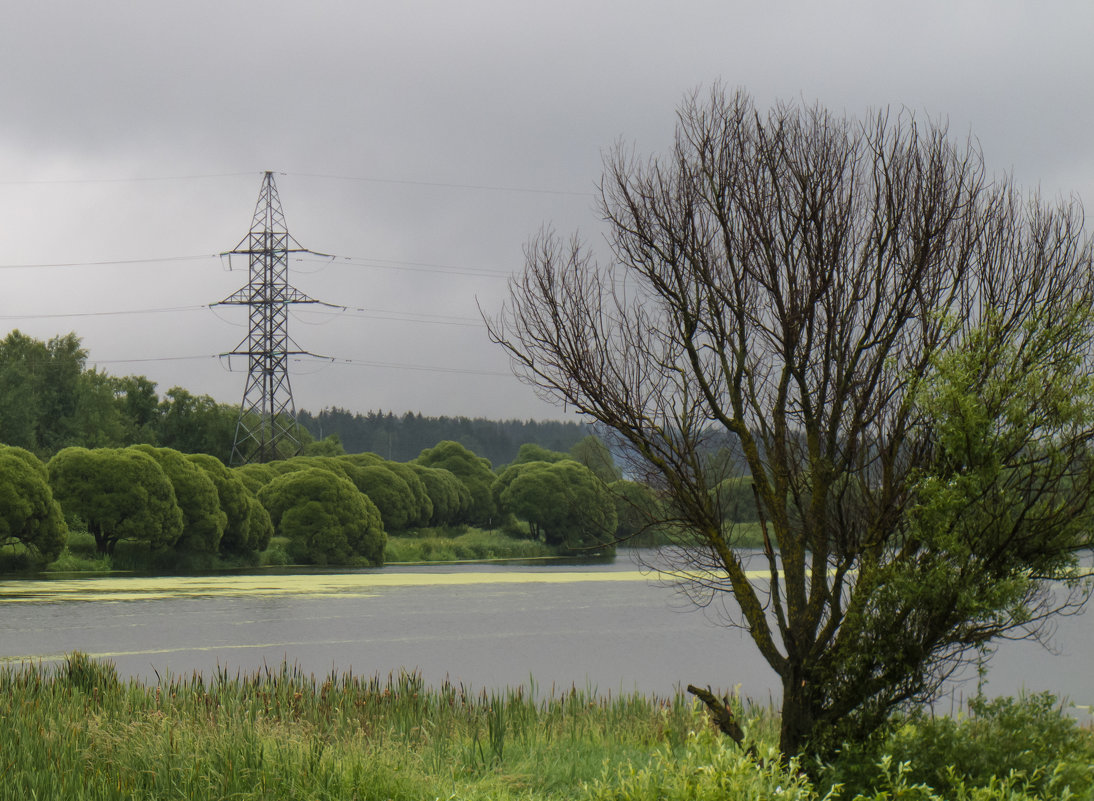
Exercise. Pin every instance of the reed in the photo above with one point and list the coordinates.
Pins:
(75, 730)
(472, 544)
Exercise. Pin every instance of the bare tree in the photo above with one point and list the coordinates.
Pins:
(897, 346)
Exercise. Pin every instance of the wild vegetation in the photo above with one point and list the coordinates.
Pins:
(155, 508)
(843, 340)
(895, 348)
(76, 731)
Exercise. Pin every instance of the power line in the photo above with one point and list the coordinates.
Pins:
(414, 367)
(108, 262)
(154, 359)
(101, 313)
(330, 360)
(338, 311)
(360, 261)
(133, 179)
(412, 266)
(444, 184)
(393, 316)
(532, 190)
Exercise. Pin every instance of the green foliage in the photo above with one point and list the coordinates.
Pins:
(473, 471)
(325, 518)
(141, 408)
(421, 512)
(236, 502)
(203, 520)
(29, 514)
(97, 420)
(255, 476)
(385, 488)
(363, 459)
(259, 525)
(894, 345)
(88, 675)
(736, 500)
(1006, 479)
(708, 769)
(531, 452)
(196, 424)
(122, 494)
(563, 502)
(332, 465)
(330, 445)
(1030, 738)
(638, 511)
(47, 401)
(448, 496)
(281, 733)
(71, 562)
(997, 511)
(402, 438)
(594, 454)
(452, 545)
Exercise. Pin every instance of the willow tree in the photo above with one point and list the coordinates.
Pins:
(896, 349)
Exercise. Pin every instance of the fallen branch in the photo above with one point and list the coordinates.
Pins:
(723, 716)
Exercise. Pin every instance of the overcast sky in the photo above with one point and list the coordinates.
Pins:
(422, 143)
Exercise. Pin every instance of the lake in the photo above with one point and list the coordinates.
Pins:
(608, 627)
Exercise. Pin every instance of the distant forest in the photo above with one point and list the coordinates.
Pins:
(401, 439)
(50, 400)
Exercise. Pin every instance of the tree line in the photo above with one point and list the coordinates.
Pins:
(403, 438)
(49, 400)
(327, 510)
(108, 455)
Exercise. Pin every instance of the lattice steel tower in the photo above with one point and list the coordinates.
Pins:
(267, 427)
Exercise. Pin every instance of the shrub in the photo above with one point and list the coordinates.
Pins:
(1028, 740)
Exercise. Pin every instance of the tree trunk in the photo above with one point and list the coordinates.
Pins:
(797, 712)
(102, 542)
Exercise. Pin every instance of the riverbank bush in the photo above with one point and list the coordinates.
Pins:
(462, 543)
(1030, 739)
(77, 731)
(441, 544)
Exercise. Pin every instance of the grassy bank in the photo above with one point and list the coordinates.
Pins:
(465, 543)
(443, 544)
(461, 543)
(77, 732)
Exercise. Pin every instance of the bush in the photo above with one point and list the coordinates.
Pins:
(277, 554)
(711, 768)
(1029, 740)
(462, 544)
(325, 519)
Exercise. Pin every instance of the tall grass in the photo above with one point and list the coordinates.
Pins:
(468, 544)
(76, 731)
(428, 545)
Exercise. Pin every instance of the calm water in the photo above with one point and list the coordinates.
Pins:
(608, 627)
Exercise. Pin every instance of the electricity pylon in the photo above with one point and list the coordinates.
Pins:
(267, 428)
